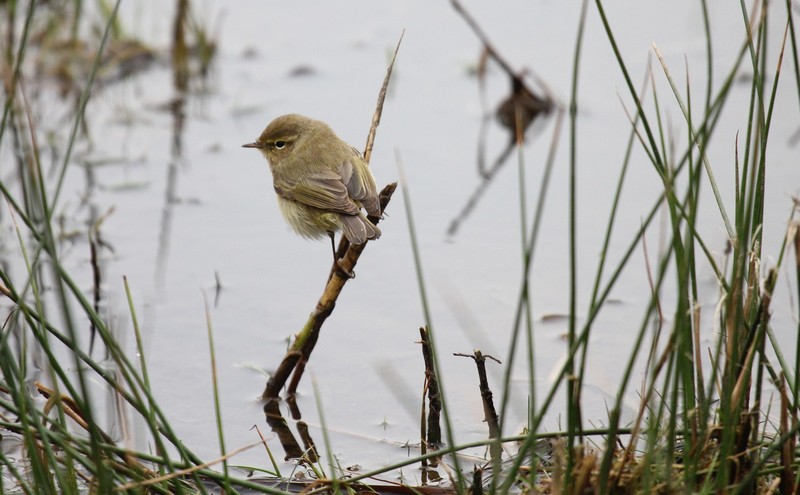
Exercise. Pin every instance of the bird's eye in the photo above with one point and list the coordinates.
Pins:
(280, 145)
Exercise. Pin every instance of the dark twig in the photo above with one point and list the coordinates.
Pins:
(434, 433)
(477, 481)
(489, 412)
(300, 350)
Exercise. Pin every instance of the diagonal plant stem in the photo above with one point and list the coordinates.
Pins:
(300, 350)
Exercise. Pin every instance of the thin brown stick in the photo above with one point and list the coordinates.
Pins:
(489, 411)
(433, 436)
(376, 116)
(300, 350)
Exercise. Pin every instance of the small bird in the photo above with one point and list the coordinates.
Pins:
(322, 182)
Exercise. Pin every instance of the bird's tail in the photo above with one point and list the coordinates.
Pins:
(358, 229)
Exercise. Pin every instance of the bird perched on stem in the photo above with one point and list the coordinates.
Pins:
(322, 182)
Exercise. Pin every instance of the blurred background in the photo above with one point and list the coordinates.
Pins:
(186, 214)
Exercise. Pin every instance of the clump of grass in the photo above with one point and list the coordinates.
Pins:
(700, 427)
(65, 445)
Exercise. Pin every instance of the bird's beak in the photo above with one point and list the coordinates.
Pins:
(251, 145)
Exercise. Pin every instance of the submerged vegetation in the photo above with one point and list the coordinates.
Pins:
(706, 422)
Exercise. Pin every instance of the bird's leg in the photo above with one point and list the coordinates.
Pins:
(333, 245)
(337, 263)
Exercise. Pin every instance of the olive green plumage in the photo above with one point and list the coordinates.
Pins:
(322, 182)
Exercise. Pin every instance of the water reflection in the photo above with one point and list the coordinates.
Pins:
(308, 453)
(516, 112)
(177, 107)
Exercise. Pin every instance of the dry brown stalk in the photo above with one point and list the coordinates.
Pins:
(300, 350)
(433, 436)
(489, 412)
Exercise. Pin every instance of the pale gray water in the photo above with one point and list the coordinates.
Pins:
(367, 366)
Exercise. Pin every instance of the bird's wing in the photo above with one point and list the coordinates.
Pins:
(324, 190)
(360, 183)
